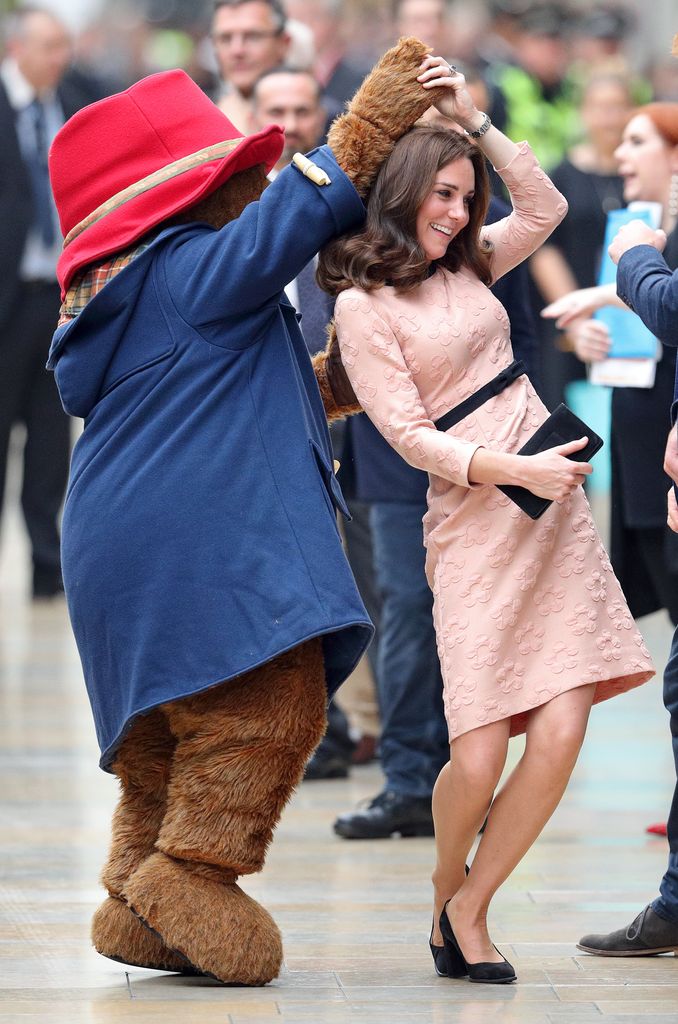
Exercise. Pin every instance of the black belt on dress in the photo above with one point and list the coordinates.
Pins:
(482, 395)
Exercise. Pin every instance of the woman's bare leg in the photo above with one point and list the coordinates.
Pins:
(527, 800)
(461, 797)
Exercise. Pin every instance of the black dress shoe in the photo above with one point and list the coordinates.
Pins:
(389, 813)
(485, 972)
(324, 765)
(47, 582)
(648, 935)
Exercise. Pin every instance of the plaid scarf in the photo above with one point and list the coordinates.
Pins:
(88, 284)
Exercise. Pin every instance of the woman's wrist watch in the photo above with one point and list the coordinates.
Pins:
(482, 128)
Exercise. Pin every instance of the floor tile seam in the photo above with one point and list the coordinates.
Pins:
(440, 986)
(626, 986)
(340, 986)
(128, 982)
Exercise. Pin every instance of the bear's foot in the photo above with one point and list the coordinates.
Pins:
(223, 932)
(119, 935)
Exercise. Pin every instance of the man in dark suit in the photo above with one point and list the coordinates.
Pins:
(334, 70)
(292, 98)
(36, 97)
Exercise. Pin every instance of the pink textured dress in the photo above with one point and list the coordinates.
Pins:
(523, 610)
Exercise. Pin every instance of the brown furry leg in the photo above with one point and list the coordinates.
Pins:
(241, 750)
(142, 766)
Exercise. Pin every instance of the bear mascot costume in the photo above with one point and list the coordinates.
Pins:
(211, 602)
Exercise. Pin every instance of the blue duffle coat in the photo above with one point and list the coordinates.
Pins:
(199, 530)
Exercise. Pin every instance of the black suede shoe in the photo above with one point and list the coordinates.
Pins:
(647, 935)
(487, 973)
(387, 814)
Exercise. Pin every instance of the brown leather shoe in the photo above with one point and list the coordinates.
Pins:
(647, 935)
(365, 750)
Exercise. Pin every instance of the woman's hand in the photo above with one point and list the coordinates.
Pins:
(590, 340)
(581, 303)
(672, 517)
(449, 93)
(551, 474)
(671, 455)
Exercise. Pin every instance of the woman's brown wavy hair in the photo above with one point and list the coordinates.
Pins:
(385, 249)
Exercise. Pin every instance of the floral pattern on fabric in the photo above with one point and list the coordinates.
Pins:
(523, 610)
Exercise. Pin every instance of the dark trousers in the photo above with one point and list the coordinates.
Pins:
(414, 739)
(358, 535)
(667, 904)
(651, 547)
(360, 554)
(28, 395)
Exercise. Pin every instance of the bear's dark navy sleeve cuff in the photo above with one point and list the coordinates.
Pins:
(648, 287)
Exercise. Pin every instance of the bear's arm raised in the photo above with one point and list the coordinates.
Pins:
(386, 105)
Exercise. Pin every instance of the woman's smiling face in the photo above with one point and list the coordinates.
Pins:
(445, 211)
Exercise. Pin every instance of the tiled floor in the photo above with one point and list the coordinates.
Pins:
(355, 916)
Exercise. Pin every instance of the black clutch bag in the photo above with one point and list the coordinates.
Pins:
(561, 426)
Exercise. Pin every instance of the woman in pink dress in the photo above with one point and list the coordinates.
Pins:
(531, 623)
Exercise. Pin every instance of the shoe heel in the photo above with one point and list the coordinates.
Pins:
(455, 962)
(440, 960)
(441, 955)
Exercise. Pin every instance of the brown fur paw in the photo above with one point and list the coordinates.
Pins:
(222, 931)
(336, 391)
(119, 935)
(386, 105)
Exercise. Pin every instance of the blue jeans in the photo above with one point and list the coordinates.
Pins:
(667, 904)
(414, 742)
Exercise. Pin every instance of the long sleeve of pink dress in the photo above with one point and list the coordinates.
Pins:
(523, 610)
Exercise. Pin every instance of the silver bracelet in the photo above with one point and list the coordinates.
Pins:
(479, 132)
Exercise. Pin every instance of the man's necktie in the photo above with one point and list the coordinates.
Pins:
(37, 165)
(315, 309)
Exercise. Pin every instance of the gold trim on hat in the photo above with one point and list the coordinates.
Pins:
(173, 170)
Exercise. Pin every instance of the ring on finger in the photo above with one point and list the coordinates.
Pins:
(453, 70)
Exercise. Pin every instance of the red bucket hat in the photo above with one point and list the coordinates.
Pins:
(126, 163)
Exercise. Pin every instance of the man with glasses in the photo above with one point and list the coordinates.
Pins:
(249, 39)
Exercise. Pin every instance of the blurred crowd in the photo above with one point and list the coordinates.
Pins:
(553, 41)
(557, 43)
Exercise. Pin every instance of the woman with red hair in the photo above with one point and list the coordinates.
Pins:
(643, 550)
(648, 283)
